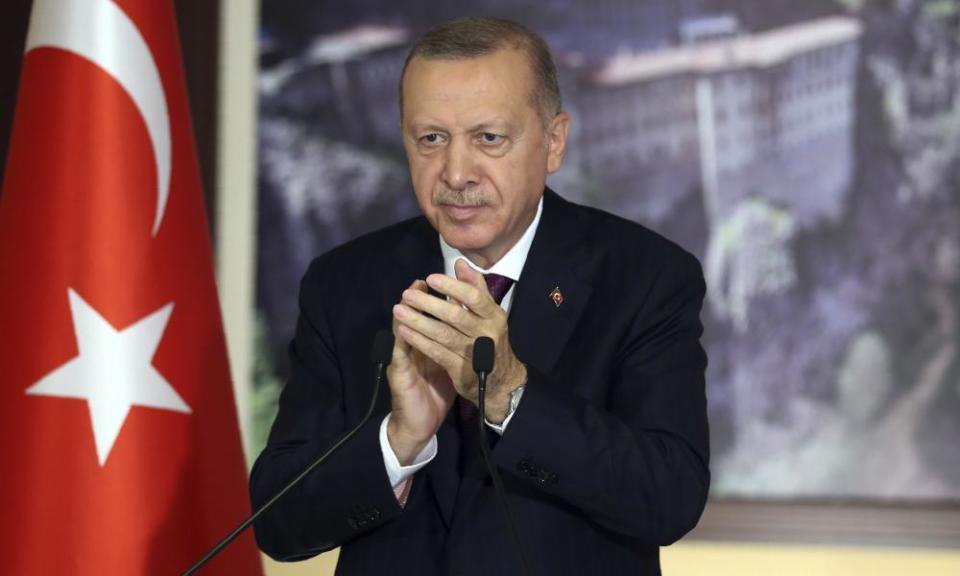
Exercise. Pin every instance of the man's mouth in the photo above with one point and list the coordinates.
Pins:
(459, 213)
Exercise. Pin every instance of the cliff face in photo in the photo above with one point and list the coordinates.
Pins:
(869, 395)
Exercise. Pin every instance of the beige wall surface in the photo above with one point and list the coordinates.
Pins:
(728, 559)
(322, 565)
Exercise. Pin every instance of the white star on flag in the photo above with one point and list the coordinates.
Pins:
(113, 371)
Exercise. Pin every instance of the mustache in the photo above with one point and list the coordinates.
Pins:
(464, 198)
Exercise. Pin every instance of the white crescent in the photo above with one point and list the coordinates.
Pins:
(99, 31)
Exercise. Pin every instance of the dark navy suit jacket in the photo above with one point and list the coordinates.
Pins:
(604, 461)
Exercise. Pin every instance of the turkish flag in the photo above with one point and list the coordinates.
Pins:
(119, 442)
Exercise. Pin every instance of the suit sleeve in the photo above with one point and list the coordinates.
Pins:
(350, 493)
(638, 465)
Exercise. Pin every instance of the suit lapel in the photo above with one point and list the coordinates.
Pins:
(417, 255)
(558, 261)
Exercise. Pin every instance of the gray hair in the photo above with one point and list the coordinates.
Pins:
(474, 36)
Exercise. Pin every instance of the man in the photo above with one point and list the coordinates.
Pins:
(596, 404)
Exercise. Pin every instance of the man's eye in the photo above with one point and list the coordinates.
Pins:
(431, 138)
(489, 138)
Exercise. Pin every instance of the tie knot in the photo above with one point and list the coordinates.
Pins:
(498, 286)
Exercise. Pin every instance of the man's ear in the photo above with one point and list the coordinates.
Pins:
(557, 141)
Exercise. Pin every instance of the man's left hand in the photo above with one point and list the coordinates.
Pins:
(448, 337)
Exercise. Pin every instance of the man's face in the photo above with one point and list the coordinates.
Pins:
(478, 150)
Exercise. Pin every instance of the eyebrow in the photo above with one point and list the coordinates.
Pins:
(430, 127)
(489, 124)
(495, 123)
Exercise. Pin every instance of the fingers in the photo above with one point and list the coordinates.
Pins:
(435, 329)
(476, 299)
(466, 273)
(444, 357)
(447, 312)
(441, 331)
(401, 348)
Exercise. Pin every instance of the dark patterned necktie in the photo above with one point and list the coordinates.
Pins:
(498, 286)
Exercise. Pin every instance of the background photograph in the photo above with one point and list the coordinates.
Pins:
(807, 153)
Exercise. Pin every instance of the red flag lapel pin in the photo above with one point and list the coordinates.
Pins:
(557, 296)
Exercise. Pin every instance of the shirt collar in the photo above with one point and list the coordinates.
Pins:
(512, 262)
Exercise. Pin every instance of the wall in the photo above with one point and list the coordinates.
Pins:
(728, 559)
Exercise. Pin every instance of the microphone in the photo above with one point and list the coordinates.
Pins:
(380, 355)
(382, 352)
(483, 361)
(483, 358)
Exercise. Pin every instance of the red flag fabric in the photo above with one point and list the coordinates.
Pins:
(118, 432)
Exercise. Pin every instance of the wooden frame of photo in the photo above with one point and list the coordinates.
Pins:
(840, 523)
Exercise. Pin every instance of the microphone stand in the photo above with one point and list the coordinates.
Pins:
(382, 351)
(483, 357)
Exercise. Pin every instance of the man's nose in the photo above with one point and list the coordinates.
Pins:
(459, 170)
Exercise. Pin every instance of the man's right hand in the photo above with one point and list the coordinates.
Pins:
(421, 395)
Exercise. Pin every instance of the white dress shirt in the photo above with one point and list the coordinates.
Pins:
(510, 266)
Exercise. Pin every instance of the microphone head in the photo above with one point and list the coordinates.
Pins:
(382, 351)
(483, 355)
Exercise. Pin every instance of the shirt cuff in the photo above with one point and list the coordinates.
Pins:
(514, 402)
(396, 473)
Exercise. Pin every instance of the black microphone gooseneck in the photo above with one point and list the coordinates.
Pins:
(381, 354)
(483, 357)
